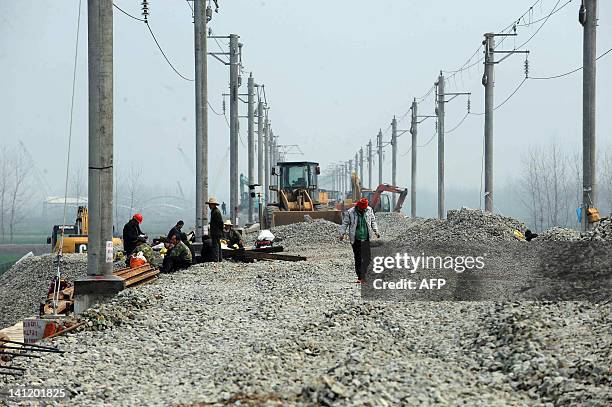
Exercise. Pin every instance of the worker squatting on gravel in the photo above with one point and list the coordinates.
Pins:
(132, 236)
(360, 223)
(178, 257)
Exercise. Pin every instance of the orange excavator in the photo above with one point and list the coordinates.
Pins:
(377, 197)
(379, 201)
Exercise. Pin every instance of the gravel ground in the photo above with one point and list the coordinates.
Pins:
(24, 286)
(280, 333)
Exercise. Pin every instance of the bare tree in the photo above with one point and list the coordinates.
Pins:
(4, 179)
(18, 189)
(134, 185)
(545, 187)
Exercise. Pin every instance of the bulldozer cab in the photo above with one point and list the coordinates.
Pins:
(298, 175)
(298, 195)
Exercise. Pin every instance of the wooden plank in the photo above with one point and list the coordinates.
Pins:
(141, 277)
(136, 271)
(122, 272)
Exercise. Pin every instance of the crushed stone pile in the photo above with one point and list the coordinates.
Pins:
(461, 226)
(602, 232)
(558, 234)
(24, 286)
(317, 232)
(537, 350)
(491, 225)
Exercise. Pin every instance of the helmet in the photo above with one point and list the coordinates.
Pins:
(362, 203)
(138, 217)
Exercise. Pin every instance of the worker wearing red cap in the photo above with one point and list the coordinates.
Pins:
(132, 235)
(360, 224)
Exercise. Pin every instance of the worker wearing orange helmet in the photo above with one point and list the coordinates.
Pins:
(132, 235)
(360, 224)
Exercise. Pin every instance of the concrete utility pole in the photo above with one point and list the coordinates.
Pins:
(266, 145)
(234, 180)
(440, 114)
(260, 146)
(100, 281)
(588, 18)
(380, 157)
(489, 83)
(338, 181)
(488, 80)
(413, 161)
(201, 116)
(271, 147)
(341, 180)
(361, 165)
(349, 175)
(370, 164)
(100, 188)
(251, 141)
(394, 157)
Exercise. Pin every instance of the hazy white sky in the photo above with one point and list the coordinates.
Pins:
(335, 72)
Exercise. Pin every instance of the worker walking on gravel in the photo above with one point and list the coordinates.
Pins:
(360, 224)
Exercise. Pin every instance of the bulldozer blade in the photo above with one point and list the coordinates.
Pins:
(288, 217)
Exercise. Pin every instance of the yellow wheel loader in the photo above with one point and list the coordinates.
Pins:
(75, 236)
(298, 195)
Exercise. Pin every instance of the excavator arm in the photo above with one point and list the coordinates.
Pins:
(389, 188)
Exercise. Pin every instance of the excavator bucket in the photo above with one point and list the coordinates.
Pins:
(280, 218)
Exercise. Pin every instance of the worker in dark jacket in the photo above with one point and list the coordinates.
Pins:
(178, 256)
(231, 236)
(176, 230)
(132, 236)
(216, 227)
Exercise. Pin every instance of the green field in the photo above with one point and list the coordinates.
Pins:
(6, 261)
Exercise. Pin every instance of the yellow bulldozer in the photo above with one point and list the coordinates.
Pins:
(298, 195)
(75, 236)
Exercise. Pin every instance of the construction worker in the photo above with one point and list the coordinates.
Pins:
(216, 228)
(231, 236)
(178, 256)
(132, 236)
(176, 230)
(360, 224)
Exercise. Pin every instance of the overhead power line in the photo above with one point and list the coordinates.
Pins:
(165, 57)
(569, 72)
(541, 26)
(458, 124)
(127, 14)
(156, 42)
(512, 94)
(213, 110)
